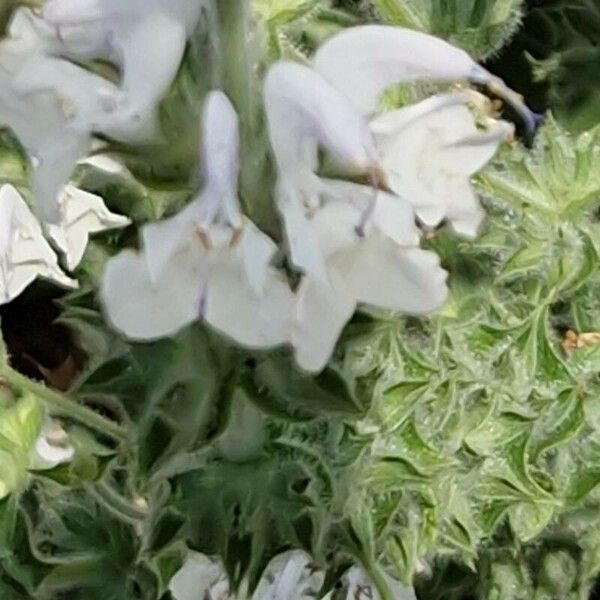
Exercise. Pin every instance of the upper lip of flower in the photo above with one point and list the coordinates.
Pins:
(380, 56)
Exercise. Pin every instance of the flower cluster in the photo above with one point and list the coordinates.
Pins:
(349, 243)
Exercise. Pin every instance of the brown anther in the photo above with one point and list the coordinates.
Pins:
(236, 234)
(378, 179)
(204, 237)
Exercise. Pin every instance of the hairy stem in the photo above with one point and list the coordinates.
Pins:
(64, 405)
(240, 54)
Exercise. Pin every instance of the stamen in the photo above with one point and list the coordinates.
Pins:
(204, 237)
(531, 120)
(377, 177)
(236, 235)
(202, 304)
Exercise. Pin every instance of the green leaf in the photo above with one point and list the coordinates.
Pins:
(246, 513)
(529, 519)
(280, 388)
(480, 27)
(559, 422)
(524, 261)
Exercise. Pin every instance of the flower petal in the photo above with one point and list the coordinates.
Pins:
(304, 110)
(290, 576)
(54, 161)
(393, 216)
(257, 251)
(156, 40)
(463, 210)
(427, 157)
(362, 62)
(389, 124)
(24, 252)
(383, 274)
(198, 576)
(466, 156)
(82, 214)
(163, 239)
(50, 455)
(144, 310)
(300, 234)
(69, 12)
(220, 155)
(251, 317)
(322, 310)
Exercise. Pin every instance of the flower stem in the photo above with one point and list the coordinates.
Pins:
(114, 503)
(64, 405)
(379, 582)
(240, 54)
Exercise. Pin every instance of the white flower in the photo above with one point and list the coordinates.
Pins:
(205, 261)
(352, 244)
(362, 62)
(82, 213)
(51, 448)
(290, 576)
(380, 266)
(358, 586)
(25, 254)
(50, 104)
(144, 38)
(430, 150)
(200, 578)
(305, 113)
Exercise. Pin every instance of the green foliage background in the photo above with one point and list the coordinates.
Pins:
(460, 453)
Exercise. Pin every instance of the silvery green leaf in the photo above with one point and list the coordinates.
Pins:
(481, 28)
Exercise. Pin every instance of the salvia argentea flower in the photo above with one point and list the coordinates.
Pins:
(207, 261)
(50, 104)
(145, 38)
(381, 266)
(430, 150)
(305, 113)
(362, 62)
(353, 244)
(51, 447)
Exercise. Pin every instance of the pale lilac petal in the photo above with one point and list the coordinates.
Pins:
(155, 40)
(220, 154)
